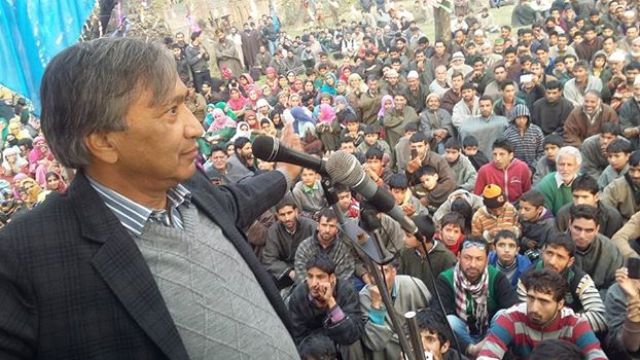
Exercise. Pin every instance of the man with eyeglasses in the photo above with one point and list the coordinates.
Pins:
(473, 293)
(558, 254)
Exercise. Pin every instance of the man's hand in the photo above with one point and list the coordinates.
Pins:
(366, 278)
(633, 310)
(408, 209)
(326, 295)
(631, 132)
(292, 274)
(627, 284)
(376, 298)
(290, 139)
(413, 165)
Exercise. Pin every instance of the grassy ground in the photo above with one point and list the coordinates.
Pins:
(501, 15)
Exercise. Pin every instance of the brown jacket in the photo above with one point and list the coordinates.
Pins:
(577, 126)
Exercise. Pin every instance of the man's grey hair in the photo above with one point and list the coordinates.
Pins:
(570, 151)
(89, 88)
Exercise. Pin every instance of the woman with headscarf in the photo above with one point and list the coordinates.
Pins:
(302, 121)
(341, 88)
(237, 102)
(355, 85)
(29, 191)
(328, 127)
(13, 163)
(55, 182)
(253, 95)
(345, 72)
(227, 110)
(243, 129)
(271, 79)
(342, 106)
(246, 81)
(386, 104)
(221, 130)
(329, 84)
(309, 90)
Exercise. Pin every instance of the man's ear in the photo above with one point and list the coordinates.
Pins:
(571, 261)
(445, 347)
(101, 145)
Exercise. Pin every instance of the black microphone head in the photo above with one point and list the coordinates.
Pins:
(265, 148)
(344, 168)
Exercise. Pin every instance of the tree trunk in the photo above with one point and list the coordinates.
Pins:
(442, 23)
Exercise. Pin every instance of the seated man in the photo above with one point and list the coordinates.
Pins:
(347, 204)
(423, 157)
(512, 175)
(556, 186)
(496, 214)
(437, 339)
(624, 193)
(308, 193)
(537, 223)
(626, 239)
(326, 240)
(584, 190)
(406, 293)
(505, 257)
(325, 305)
(413, 260)
(542, 316)
(472, 293)
(374, 166)
(623, 314)
(595, 253)
(558, 254)
(283, 239)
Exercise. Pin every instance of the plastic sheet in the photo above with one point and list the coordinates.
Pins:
(32, 32)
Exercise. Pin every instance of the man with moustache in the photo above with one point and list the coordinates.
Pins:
(543, 316)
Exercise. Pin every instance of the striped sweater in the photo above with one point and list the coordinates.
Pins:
(513, 330)
(484, 221)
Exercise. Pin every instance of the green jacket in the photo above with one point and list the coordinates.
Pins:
(554, 197)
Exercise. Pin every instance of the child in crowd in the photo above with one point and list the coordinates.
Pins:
(505, 257)
(308, 193)
(470, 149)
(428, 176)
(618, 153)
(462, 168)
(403, 196)
(536, 221)
(547, 163)
(451, 232)
(496, 214)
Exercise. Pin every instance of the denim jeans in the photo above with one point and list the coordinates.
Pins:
(461, 329)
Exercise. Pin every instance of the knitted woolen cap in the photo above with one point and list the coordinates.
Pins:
(492, 196)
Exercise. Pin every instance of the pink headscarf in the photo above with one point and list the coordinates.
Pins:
(384, 100)
(326, 114)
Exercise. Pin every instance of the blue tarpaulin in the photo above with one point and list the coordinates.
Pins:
(32, 32)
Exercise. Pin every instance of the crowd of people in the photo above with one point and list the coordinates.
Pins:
(516, 156)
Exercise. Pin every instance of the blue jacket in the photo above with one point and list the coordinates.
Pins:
(523, 264)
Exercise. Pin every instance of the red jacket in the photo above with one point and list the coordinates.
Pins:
(514, 181)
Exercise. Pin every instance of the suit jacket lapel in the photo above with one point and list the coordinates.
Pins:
(122, 266)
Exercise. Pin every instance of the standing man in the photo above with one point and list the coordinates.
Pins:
(227, 57)
(142, 249)
(198, 60)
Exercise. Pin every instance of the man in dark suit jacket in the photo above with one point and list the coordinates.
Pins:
(78, 280)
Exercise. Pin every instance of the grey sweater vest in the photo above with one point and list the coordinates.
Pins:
(216, 303)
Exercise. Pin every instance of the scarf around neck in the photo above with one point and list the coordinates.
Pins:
(479, 293)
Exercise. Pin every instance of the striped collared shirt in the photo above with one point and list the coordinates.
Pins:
(134, 216)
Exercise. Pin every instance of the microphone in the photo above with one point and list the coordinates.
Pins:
(345, 169)
(269, 149)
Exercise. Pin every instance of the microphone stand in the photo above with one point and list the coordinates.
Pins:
(373, 255)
